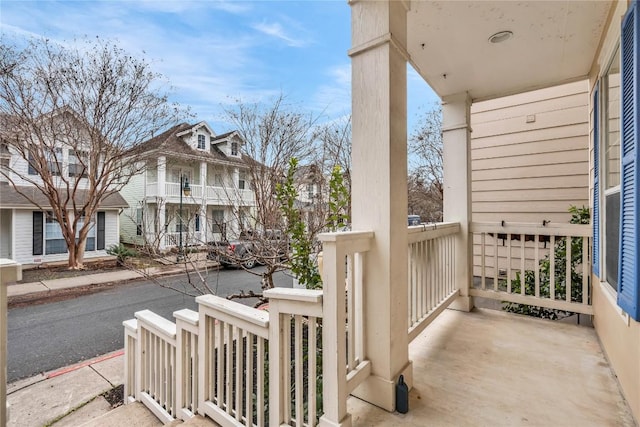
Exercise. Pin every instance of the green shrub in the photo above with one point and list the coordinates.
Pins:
(121, 252)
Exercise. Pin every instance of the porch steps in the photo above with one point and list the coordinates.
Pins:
(137, 415)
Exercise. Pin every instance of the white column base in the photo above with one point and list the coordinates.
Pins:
(462, 303)
(380, 391)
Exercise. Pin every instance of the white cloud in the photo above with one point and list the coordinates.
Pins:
(276, 30)
(334, 98)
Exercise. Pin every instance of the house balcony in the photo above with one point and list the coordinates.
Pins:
(212, 195)
(242, 366)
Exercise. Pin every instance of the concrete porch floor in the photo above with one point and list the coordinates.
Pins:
(488, 368)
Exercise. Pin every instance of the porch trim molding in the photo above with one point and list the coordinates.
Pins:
(380, 41)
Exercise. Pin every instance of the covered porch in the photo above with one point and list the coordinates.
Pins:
(241, 366)
(403, 302)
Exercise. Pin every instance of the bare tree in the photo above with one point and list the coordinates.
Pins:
(426, 178)
(271, 134)
(335, 139)
(71, 113)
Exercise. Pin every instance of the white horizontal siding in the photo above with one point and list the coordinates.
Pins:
(530, 155)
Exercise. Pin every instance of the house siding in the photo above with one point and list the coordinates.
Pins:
(134, 193)
(20, 167)
(23, 226)
(530, 172)
(619, 334)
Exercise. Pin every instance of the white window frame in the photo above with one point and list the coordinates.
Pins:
(604, 168)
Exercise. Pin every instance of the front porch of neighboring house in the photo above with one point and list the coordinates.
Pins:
(208, 213)
(243, 366)
(193, 224)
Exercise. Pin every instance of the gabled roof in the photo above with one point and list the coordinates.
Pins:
(225, 136)
(196, 127)
(170, 143)
(10, 198)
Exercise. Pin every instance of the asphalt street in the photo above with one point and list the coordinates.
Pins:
(49, 336)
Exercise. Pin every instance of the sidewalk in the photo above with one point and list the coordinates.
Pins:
(20, 289)
(77, 394)
(69, 396)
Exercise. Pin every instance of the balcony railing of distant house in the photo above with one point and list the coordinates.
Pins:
(211, 194)
(432, 286)
(538, 265)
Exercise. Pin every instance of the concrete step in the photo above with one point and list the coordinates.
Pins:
(131, 415)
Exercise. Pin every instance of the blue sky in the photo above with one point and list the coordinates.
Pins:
(214, 52)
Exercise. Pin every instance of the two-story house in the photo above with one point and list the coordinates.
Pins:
(29, 231)
(195, 188)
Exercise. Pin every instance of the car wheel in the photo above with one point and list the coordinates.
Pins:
(249, 264)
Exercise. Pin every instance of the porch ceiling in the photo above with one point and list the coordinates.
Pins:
(552, 42)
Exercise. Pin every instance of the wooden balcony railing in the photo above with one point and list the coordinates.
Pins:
(537, 265)
(432, 285)
(236, 364)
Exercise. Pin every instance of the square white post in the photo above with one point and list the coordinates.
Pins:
(456, 138)
(10, 272)
(379, 189)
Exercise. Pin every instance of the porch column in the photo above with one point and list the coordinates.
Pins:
(456, 138)
(203, 203)
(10, 272)
(379, 189)
(162, 198)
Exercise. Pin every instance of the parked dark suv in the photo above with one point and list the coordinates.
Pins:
(252, 247)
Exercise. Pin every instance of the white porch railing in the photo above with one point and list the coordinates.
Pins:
(155, 367)
(217, 195)
(432, 266)
(343, 259)
(152, 189)
(188, 239)
(254, 368)
(172, 189)
(217, 362)
(543, 266)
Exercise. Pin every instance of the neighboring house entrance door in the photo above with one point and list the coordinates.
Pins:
(5, 234)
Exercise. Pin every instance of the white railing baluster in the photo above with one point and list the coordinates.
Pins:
(552, 268)
(568, 268)
(496, 270)
(522, 258)
(536, 262)
(482, 261)
(312, 370)
(261, 417)
(508, 263)
(585, 270)
(299, 370)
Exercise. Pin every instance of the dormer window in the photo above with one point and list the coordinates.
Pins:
(201, 142)
(234, 148)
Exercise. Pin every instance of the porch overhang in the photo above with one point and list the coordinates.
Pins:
(552, 42)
